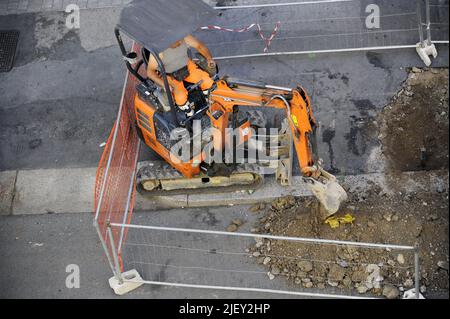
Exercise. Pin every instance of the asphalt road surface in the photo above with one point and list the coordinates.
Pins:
(60, 100)
(36, 250)
(59, 103)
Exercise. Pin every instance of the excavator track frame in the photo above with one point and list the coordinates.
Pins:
(161, 171)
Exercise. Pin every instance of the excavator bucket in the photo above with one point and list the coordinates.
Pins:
(329, 193)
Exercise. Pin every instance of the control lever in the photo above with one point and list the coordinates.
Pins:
(192, 87)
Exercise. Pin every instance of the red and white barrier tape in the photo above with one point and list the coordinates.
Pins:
(268, 41)
(215, 27)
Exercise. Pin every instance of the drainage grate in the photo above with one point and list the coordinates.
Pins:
(8, 45)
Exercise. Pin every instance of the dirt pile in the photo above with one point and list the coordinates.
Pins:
(414, 126)
(422, 219)
(414, 135)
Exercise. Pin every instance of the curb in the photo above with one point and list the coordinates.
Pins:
(7, 190)
(71, 190)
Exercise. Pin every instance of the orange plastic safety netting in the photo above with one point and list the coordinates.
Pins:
(115, 180)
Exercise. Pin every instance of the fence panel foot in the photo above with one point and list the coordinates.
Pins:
(131, 281)
(411, 294)
(425, 50)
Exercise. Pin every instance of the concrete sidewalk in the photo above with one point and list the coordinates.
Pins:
(71, 190)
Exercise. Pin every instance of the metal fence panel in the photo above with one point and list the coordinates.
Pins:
(223, 260)
(317, 26)
(115, 182)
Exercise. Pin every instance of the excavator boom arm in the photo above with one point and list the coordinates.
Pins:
(297, 106)
(295, 103)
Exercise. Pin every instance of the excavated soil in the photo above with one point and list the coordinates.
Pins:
(414, 130)
(414, 136)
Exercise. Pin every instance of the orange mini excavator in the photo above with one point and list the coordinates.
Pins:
(222, 141)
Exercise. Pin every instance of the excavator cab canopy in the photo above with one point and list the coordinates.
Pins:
(155, 25)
